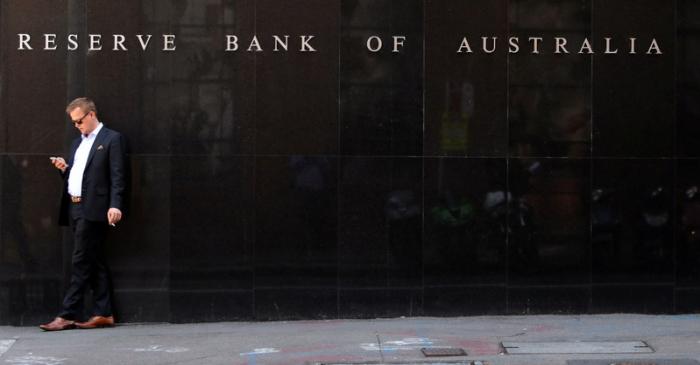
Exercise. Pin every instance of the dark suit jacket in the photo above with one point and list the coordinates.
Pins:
(103, 180)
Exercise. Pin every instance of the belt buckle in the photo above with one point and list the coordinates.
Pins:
(75, 199)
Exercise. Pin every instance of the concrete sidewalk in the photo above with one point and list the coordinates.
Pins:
(351, 341)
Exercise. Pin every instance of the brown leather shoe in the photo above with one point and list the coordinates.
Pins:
(96, 322)
(58, 324)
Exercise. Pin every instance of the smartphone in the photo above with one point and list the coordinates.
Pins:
(53, 160)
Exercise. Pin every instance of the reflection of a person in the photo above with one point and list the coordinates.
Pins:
(403, 215)
(12, 199)
(310, 184)
(655, 227)
(521, 223)
(546, 123)
(14, 231)
(454, 217)
(606, 226)
(92, 198)
(689, 245)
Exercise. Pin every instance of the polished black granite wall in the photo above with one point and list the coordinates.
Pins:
(344, 183)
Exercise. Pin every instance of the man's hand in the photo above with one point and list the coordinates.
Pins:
(114, 215)
(59, 163)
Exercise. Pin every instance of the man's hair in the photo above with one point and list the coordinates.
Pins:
(85, 104)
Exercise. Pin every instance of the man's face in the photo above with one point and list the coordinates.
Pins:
(85, 122)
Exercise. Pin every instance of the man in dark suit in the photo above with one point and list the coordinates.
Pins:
(92, 200)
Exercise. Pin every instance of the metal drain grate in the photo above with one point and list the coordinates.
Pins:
(463, 362)
(577, 347)
(443, 351)
(634, 362)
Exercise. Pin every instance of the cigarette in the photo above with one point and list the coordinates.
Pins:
(112, 224)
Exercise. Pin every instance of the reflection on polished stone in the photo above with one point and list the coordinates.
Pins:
(380, 231)
(465, 94)
(548, 221)
(380, 92)
(342, 182)
(31, 266)
(295, 221)
(549, 93)
(633, 96)
(465, 221)
(687, 198)
(632, 221)
(296, 113)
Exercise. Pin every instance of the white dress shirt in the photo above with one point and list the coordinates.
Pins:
(75, 179)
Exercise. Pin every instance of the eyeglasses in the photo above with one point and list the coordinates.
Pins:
(80, 121)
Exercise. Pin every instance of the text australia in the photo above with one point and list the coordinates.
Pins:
(559, 45)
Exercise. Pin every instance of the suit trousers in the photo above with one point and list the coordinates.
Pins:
(89, 267)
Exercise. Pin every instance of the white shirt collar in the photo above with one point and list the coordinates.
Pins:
(94, 132)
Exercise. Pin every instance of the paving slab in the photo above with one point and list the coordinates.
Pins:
(634, 362)
(5, 345)
(576, 347)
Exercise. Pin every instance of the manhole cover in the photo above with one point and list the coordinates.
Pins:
(443, 351)
(634, 362)
(577, 347)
